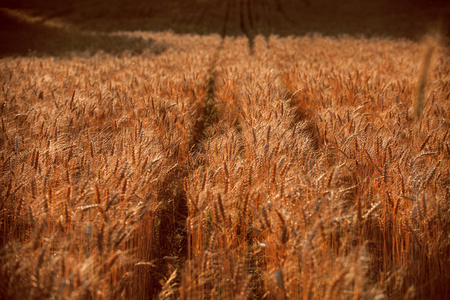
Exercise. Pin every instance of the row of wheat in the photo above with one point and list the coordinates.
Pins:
(299, 169)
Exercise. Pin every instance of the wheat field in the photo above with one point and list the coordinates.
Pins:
(227, 167)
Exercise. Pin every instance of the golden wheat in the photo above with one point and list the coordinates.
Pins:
(293, 169)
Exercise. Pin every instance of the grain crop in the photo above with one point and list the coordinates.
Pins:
(228, 167)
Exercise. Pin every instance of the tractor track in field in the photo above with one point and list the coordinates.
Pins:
(226, 19)
(172, 188)
(246, 22)
(239, 16)
(206, 116)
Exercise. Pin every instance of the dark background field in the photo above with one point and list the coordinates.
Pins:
(44, 27)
